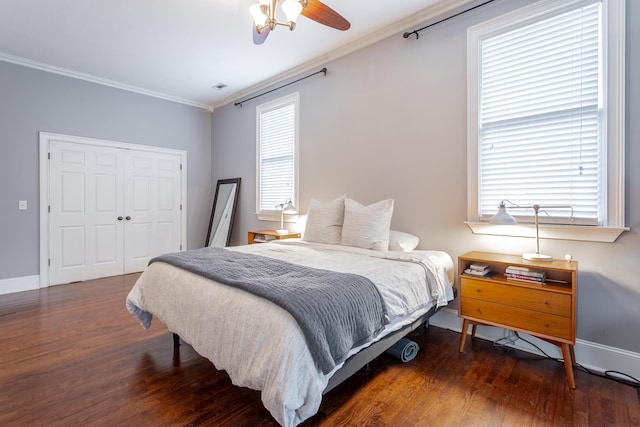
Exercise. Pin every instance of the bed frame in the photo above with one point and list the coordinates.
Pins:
(354, 363)
(363, 357)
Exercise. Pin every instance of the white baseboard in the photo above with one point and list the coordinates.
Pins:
(19, 284)
(593, 356)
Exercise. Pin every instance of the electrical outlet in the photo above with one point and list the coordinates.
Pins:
(22, 205)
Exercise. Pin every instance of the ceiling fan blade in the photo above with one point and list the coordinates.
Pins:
(259, 38)
(320, 12)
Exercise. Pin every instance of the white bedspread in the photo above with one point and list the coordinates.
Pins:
(259, 344)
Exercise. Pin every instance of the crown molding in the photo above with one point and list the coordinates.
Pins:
(98, 80)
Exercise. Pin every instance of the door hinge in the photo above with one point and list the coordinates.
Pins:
(180, 166)
(49, 262)
(49, 156)
(180, 206)
(180, 247)
(49, 209)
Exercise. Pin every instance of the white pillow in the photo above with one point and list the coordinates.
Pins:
(367, 226)
(405, 242)
(324, 221)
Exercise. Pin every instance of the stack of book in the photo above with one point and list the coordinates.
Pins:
(524, 273)
(478, 269)
(263, 238)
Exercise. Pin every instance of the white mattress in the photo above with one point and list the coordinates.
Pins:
(258, 343)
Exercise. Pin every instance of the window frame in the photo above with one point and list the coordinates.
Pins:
(613, 12)
(274, 214)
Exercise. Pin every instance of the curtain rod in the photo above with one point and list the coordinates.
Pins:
(417, 32)
(324, 70)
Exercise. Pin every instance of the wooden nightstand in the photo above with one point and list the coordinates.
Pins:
(263, 236)
(545, 310)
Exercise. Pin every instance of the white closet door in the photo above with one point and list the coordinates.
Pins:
(86, 200)
(152, 208)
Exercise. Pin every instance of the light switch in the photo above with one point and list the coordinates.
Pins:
(22, 205)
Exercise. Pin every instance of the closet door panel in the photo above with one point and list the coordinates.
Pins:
(85, 199)
(152, 204)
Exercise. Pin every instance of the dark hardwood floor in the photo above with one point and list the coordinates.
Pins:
(72, 355)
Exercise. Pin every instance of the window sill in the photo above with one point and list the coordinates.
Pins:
(275, 217)
(585, 233)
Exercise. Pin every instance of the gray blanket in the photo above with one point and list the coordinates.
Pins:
(335, 311)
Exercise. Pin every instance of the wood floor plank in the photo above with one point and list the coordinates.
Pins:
(73, 355)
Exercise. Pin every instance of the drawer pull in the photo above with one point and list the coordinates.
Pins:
(546, 303)
(546, 324)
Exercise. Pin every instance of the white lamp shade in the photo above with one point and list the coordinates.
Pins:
(291, 9)
(259, 18)
(502, 217)
(288, 208)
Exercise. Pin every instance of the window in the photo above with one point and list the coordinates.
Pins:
(545, 111)
(277, 146)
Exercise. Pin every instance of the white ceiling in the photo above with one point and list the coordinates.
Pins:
(180, 49)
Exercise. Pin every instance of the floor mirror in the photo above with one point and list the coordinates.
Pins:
(223, 212)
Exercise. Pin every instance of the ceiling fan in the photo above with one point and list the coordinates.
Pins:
(265, 20)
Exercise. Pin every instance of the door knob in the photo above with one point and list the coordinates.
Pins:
(128, 218)
(119, 218)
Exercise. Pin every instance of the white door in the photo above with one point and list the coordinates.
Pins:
(111, 209)
(86, 199)
(152, 207)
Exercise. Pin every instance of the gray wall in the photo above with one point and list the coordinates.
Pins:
(390, 121)
(32, 101)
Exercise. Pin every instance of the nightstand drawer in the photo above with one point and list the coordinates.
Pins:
(517, 296)
(516, 317)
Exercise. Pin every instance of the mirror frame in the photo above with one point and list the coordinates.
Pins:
(233, 210)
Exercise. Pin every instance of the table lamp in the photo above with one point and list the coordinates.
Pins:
(285, 208)
(503, 217)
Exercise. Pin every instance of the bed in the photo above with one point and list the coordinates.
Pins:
(260, 345)
(250, 309)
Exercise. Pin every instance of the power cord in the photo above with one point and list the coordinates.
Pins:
(610, 374)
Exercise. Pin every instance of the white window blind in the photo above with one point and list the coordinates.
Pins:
(277, 136)
(541, 120)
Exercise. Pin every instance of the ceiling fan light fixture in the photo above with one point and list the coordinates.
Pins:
(260, 17)
(265, 20)
(291, 9)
